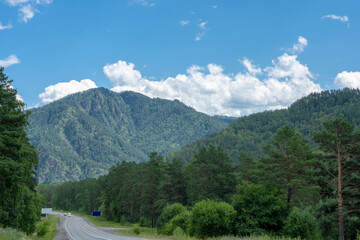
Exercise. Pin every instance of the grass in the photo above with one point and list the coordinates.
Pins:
(52, 229)
(145, 232)
(12, 234)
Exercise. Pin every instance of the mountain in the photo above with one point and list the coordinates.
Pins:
(84, 134)
(250, 133)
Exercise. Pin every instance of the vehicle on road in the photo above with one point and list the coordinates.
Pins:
(69, 214)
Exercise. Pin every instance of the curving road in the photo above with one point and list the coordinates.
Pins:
(78, 229)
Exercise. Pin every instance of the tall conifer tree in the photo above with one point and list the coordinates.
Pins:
(19, 203)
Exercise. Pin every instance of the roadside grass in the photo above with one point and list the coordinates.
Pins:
(52, 228)
(12, 234)
(145, 232)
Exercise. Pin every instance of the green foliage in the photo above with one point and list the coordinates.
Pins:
(289, 166)
(182, 220)
(210, 175)
(136, 229)
(84, 134)
(168, 213)
(43, 228)
(211, 219)
(259, 209)
(300, 223)
(340, 143)
(19, 203)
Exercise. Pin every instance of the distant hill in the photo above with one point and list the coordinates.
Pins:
(249, 134)
(84, 134)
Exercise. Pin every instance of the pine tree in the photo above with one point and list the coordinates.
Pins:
(341, 146)
(288, 166)
(19, 203)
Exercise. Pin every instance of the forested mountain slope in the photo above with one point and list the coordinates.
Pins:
(84, 134)
(249, 134)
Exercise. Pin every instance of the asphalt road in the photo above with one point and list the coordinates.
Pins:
(78, 229)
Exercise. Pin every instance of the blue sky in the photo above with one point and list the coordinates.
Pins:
(219, 56)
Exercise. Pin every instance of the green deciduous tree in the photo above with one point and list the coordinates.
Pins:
(341, 146)
(259, 209)
(211, 219)
(18, 162)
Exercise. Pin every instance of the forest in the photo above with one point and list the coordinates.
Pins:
(82, 135)
(291, 190)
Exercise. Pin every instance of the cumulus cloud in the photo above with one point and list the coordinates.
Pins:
(299, 46)
(3, 27)
(348, 79)
(184, 22)
(10, 60)
(62, 89)
(212, 91)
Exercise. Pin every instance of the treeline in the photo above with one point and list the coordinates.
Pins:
(291, 190)
(19, 202)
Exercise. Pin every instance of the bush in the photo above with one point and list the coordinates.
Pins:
(301, 223)
(212, 219)
(145, 222)
(258, 210)
(168, 213)
(181, 220)
(43, 228)
(136, 229)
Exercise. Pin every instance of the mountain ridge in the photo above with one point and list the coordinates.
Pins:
(306, 115)
(84, 134)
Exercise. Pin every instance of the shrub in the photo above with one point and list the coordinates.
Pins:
(136, 229)
(212, 219)
(43, 228)
(301, 223)
(168, 213)
(145, 222)
(258, 210)
(181, 220)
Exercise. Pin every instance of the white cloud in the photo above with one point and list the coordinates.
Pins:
(214, 6)
(144, 3)
(16, 2)
(199, 36)
(2, 27)
(203, 25)
(299, 46)
(27, 8)
(10, 60)
(348, 79)
(253, 70)
(338, 18)
(62, 89)
(184, 22)
(212, 91)
(26, 12)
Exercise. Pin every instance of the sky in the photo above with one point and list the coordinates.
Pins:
(221, 57)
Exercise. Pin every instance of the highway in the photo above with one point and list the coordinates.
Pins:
(78, 229)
